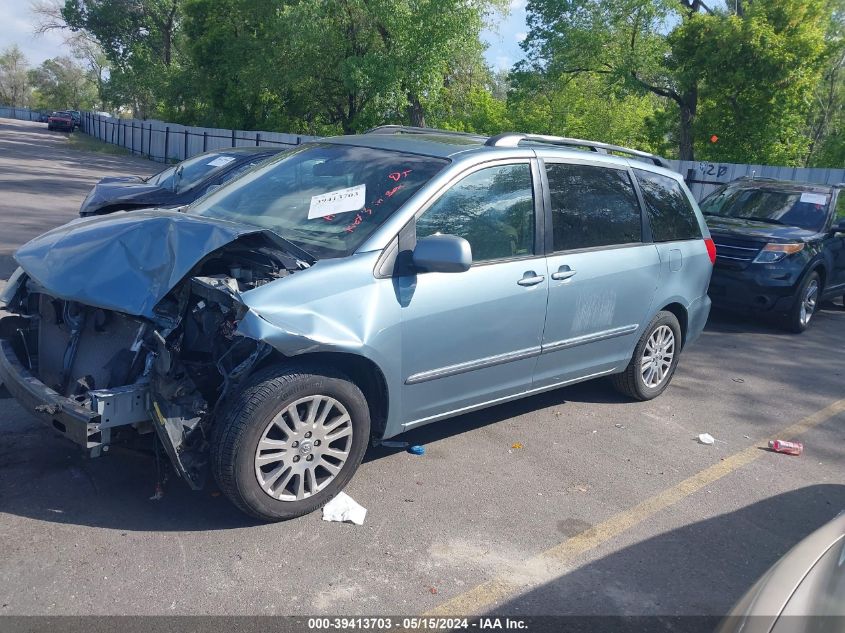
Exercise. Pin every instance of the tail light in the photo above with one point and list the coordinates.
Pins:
(711, 250)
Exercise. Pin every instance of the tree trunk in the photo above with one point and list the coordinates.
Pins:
(416, 114)
(688, 105)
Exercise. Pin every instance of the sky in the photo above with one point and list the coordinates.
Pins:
(503, 40)
(17, 25)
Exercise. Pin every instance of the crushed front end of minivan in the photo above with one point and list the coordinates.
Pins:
(126, 326)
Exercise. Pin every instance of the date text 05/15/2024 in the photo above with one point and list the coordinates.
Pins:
(376, 624)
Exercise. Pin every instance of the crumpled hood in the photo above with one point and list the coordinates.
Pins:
(125, 262)
(743, 227)
(118, 189)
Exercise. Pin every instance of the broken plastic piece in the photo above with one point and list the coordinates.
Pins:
(344, 508)
(706, 438)
(517, 445)
(416, 450)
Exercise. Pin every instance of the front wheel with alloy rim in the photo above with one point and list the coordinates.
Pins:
(804, 305)
(654, 360)
(290, 440)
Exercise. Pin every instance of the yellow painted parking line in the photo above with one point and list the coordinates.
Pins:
(557, 560)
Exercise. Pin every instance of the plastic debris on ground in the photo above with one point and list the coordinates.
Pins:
(517, 445)
(706, 438)
(394, 444)
(416, 449)
(344, 508)
(787, 448)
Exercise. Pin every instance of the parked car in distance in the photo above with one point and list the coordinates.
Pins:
(43, 117)
(61, 120)
(349, 290)
(76, 115)
(175, 186)
(780, 247)
(804, 591)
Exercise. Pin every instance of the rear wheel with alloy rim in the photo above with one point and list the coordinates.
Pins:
(290, 441)
(804, 305)
(654, 360)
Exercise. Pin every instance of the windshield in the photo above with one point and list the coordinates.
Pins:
(189, 172)
(804, 209)
(327, 199)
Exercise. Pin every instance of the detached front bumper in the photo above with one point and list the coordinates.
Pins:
(63, 415)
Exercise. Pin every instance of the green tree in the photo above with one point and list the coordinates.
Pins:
(14, 80)
(827, 119)
(587, 106)
(61, 83)
(139, 39)
(235, 52)
(721, 66)
(757, 75)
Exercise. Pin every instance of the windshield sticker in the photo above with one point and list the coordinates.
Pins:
(340, 201)
(814, 198)
(220, 161)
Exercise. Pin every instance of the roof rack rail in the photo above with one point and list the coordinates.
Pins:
(513, 139)
(409, 129)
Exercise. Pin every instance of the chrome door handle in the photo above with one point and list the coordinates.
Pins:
(530, 278)
(564, 272)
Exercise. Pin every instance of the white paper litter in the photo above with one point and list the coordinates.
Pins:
(706, 438)
(344, 508)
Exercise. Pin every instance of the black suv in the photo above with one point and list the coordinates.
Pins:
(780, 247)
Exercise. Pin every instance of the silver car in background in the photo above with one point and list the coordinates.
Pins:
(804, 592)
(349, 290)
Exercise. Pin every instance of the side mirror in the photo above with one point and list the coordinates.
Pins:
(442, 254)
(839, 227)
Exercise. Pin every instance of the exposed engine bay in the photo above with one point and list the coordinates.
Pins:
(167, 375)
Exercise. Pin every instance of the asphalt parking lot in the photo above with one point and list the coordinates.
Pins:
(572, 502)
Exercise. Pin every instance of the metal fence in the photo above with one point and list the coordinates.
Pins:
(24, 114)
(704, 177)
(163, 142)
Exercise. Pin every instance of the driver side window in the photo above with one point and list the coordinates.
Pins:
(492, 209)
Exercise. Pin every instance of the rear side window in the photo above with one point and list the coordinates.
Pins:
(592, 206)
(669, 210)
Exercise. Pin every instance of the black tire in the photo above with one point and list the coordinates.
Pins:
(247, 415)
(794, 320)
(631, 381)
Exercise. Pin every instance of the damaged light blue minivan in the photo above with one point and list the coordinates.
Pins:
(351, 289)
